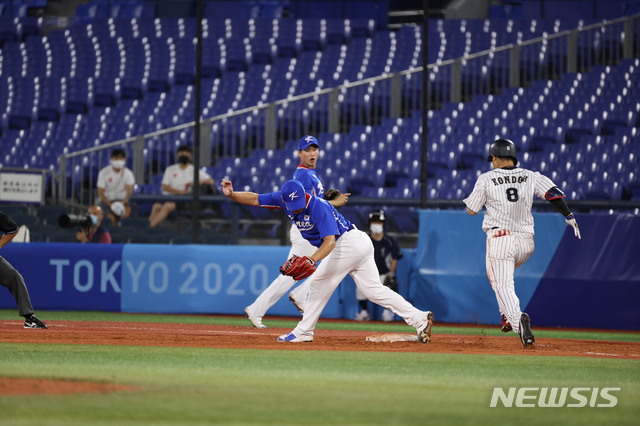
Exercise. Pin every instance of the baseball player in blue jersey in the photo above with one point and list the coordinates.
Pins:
(308, 152)
(345, 250)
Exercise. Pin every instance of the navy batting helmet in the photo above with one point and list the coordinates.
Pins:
(377, 215)
(503, 148)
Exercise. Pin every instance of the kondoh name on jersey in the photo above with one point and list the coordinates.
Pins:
(509, 179)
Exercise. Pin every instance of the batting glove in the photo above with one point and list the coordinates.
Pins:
(571, 221)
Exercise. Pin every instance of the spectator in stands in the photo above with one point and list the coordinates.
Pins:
(12, 280)
(115, 186)
(177, 180)
(96, 233)
(386, 253)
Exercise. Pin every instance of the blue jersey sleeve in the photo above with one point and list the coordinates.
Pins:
(271, 200)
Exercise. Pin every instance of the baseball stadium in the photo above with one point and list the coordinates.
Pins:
(331, 212)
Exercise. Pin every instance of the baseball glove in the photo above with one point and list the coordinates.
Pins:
(298, 267)
(391, 282)
(331, 194)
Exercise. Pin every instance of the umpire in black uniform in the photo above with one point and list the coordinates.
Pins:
(12, 280)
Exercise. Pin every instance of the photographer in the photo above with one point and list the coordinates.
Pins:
(94, 232)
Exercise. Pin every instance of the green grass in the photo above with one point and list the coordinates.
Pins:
(227, 386)
(201, 386)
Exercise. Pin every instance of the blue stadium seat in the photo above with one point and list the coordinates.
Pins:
(140, 91)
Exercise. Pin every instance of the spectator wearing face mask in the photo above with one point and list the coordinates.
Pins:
(177, 180)
(115, 186)
(96, 233)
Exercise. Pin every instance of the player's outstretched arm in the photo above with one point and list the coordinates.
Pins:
(556, 197)
(248, 198)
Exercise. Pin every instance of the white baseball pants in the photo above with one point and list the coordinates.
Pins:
(352, 254)
(360, 294)
(281, 285)
(507, 251)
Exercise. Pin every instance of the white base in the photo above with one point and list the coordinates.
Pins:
(393, 338)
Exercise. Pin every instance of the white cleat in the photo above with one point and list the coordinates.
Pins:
(387, 315)
(292, 338)
(424, 332)
(362, 316)
(255, 321)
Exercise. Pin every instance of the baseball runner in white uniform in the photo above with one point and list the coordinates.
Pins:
(306, 174)
(345, 250)
(507, 193)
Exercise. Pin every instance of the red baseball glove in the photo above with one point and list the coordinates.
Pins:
(298, 267)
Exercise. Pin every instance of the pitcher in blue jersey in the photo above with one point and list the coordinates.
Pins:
(343, 249)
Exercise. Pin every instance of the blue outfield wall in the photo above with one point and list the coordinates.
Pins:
(593, 282)
(150, 278)
(66, 275)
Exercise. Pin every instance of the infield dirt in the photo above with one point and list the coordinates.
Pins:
(240, 337)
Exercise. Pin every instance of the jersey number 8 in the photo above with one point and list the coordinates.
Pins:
(512, 194)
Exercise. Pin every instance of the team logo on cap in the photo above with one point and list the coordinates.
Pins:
(293, 195)
(309, 139)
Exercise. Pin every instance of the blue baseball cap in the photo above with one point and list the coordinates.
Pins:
(293, 195)
(306, 142)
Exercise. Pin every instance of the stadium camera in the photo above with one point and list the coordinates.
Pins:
(72, 220)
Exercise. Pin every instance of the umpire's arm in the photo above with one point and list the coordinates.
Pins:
(8, 229)
(6, 239)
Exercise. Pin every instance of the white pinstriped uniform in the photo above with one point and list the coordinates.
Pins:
(507, 193)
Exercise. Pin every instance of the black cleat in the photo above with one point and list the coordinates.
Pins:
(506, 327)
(526, 336)
(33, 322)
